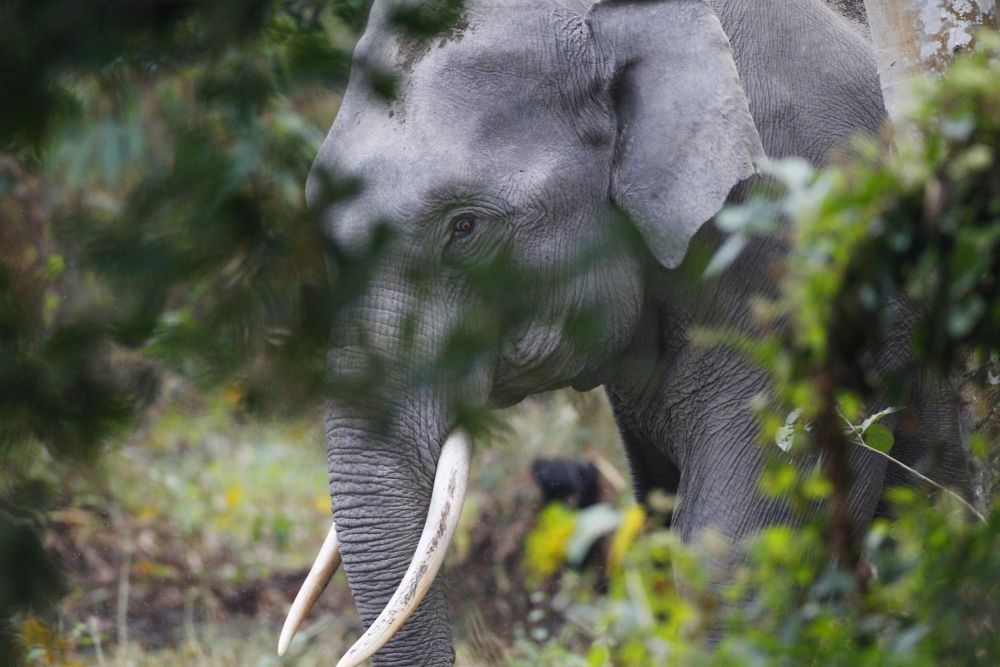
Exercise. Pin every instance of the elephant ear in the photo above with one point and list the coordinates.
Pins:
(685, 134)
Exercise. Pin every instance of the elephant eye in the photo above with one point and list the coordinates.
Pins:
(463, 225)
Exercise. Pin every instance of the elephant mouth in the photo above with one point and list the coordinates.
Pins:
(447, 498)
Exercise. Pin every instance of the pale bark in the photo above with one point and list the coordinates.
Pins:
(919, 37)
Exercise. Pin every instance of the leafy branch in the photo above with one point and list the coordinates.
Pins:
(859, 431)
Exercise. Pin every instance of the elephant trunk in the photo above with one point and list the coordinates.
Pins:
(443, 514)
(382, 479)
(390, 423)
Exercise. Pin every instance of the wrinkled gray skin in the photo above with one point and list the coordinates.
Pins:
(537, 118)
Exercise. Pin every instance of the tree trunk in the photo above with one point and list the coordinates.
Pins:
(919, 37)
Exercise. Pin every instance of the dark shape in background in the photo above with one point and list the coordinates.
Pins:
(574, 483)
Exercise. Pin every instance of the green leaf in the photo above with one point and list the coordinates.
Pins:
(785, 435)
(877, 417)
(879, 437)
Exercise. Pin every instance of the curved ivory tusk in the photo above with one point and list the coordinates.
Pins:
(319, 576)
(442, 518)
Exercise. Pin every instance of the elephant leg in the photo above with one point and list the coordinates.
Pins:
(928, 430)
(929, 439)
(652, 469)
(722, 458)
(726, 499)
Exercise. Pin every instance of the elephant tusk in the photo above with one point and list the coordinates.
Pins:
(442, 518)
(319, 576)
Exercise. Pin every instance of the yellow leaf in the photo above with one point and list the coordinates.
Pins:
(322, 503)
(234, 495)
(631, 526)
(148, 568)
(37, 634)
(233, 396)
(545, 548)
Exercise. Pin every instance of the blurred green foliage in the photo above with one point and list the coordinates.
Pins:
(932, 602)
(152, 218)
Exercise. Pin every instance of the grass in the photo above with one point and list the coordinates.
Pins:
(187, 544)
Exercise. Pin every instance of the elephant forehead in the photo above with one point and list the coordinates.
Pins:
(448, 123)
(440, 144)
(372, 148)
(443, 139)
(506, 53)
(480, 25)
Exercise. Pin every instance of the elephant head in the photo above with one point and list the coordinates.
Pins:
(490, 185)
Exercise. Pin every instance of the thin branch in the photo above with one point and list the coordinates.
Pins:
(910, 470)
(95, 638)
(121, 615)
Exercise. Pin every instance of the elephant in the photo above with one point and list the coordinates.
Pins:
(529, 135)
